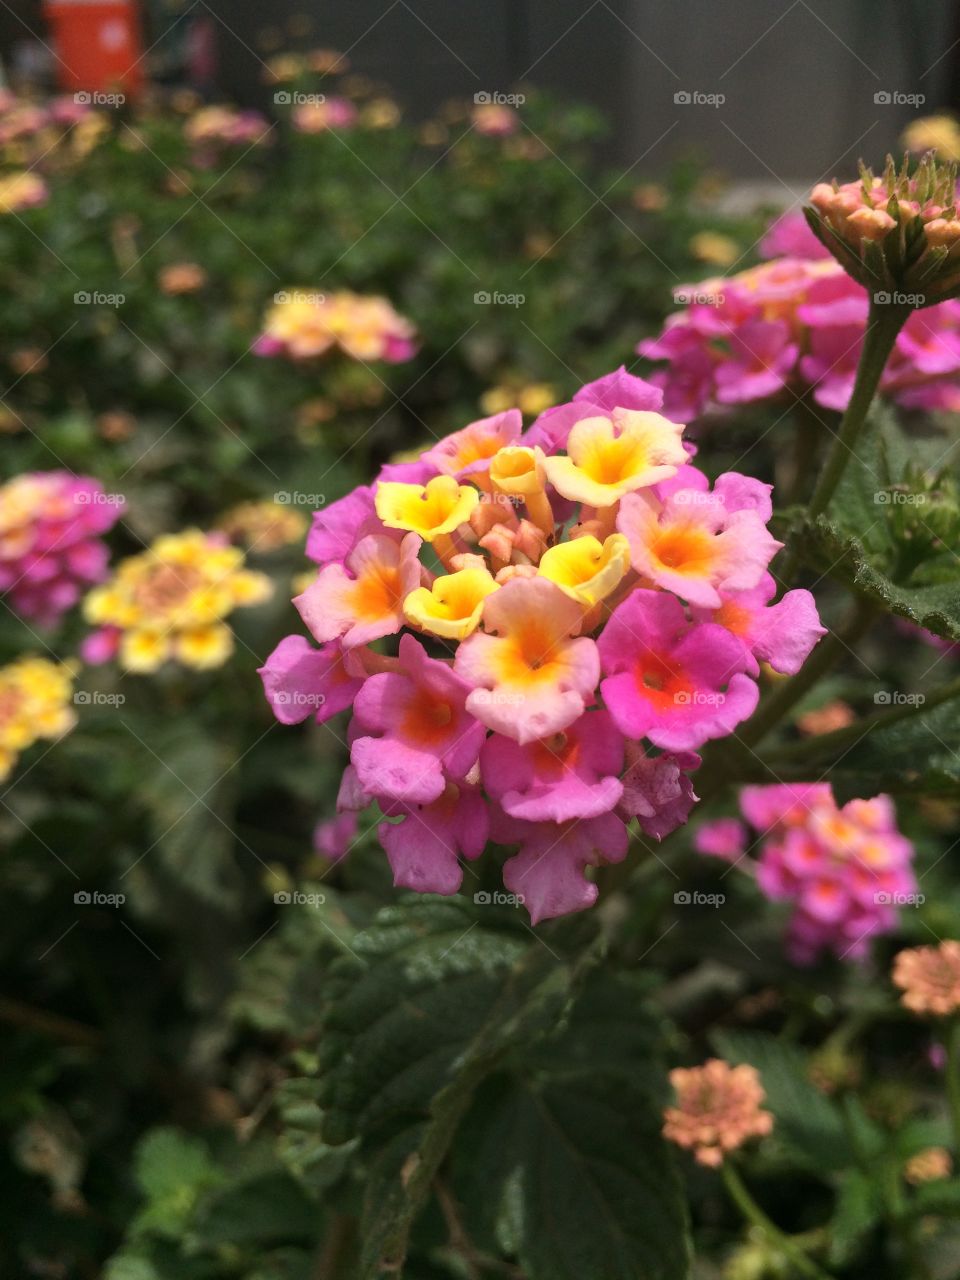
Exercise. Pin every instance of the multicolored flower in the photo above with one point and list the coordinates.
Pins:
(302, 325)
(795, 324)
(170, 602)
(21, 191)
(845, 871)
(554, 669)
(51, 548)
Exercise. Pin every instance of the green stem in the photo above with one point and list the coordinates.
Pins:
(953, 1080)
(884, 323)
(755, 1215)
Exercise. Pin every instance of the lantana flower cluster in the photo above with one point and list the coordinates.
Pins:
(35, 704)
(572, 611)
(845, 870)
(718, 1109)
(322, 113)
(22, 190)
(929, 978)
(214, 128)
(302, 325)
(170, 602)
(51, 548)
(795, 324)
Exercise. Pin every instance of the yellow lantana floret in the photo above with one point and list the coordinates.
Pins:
(586, 569)
(35, 702)
(451, 608)
(608, 457)
(432, 510)
(170, 601)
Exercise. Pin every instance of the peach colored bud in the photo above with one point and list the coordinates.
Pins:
(929, 978)
(529, 541)
(491, 513)
(182, 277)
(822, 196)
(871, 224)
(942, 231)
(515, 571)
(928, 1165)
(468, 560)
(499, 542)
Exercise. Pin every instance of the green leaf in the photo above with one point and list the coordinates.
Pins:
(440, 1000)
(808, 1123)
(858, 1209)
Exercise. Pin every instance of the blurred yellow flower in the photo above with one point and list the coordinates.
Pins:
(712, 247)
(35, 703)
(263, 526)
(170, 601)
(940, 133)
(20, 191)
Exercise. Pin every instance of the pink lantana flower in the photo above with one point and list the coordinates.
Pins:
(301, 681)
(574, 774)
(425, 847)
(368, 604)
(657, 790)
(724, 838)
(781, 634)
(337, 529)
(548, 872)
(467, 452)
(691, 543)
(530, 677)
(412, 731)
(672, 681)
(845, 871)
(51, 548)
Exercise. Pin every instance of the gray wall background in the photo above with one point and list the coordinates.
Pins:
(799, 77)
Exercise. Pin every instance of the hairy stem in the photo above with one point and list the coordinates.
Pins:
(884, 323)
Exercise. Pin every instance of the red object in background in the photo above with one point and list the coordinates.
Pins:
(98, 44)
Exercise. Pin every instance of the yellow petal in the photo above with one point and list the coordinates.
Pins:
(585, 569)
(451, 608)
(431, 510)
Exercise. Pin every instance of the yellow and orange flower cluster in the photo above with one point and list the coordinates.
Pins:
(19, 191)
(303, 325)
(170, 602)
(263, 526)
(35, 703)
